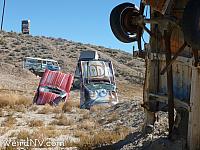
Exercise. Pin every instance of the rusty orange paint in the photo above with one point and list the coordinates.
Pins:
(156, 4)
(176, 40)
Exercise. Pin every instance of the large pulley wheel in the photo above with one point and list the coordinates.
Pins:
(191, 24)
(121, 22)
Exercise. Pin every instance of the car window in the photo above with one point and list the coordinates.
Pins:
(49, 63)
(31, 60)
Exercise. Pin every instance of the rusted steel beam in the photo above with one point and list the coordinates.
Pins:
(173, 59)
(169, 83)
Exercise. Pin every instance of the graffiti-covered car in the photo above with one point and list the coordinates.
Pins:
(53, 88)
(97, 83)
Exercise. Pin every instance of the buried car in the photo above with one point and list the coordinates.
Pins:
(97, 83)
(53, 88)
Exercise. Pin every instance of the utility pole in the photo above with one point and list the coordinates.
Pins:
(4, 4)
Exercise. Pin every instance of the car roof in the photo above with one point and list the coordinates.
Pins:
(104, 60)
(40, 59)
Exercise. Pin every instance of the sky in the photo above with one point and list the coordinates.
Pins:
(85, 21)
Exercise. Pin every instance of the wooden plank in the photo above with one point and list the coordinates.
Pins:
(177, 102)
(193, 139)
(149, 116)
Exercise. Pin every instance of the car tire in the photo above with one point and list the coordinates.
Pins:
(116, 23)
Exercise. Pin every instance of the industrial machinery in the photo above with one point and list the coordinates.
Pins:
(172, 61)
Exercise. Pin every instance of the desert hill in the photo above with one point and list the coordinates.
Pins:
(14, 47)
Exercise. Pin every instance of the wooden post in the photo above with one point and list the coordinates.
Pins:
(194, 115)
(169, 83)
(149, 116)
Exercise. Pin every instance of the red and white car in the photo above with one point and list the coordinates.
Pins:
(53, 88)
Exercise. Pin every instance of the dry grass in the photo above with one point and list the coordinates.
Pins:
(23, 134)
(100, 138)
(12, 100)
(43, 133)
(79, 133)
(98, 108)
(69, 105)
(88, 125)
(33, 108)
(3, 130)
(45, 109)
(19, 108)
(35, 123)
(39, 135)
(86, 115)
(62, 120)
(9, 121)
(113, 117)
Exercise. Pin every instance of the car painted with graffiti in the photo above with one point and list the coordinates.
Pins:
(97, 83)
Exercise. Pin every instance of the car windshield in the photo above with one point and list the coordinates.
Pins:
(53, 90)
(96, 71)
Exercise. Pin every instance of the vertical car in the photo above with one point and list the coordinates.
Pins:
(97, 83)
(53, 88)
(25, 26)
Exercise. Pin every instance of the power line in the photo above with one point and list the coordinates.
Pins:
(4, 4)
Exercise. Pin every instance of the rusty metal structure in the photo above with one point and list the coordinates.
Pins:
(172, 78)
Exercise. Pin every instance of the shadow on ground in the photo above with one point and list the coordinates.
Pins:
(136, 141)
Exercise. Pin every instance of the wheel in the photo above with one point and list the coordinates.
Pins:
(121, 22)
(32, 70)
(191, 24)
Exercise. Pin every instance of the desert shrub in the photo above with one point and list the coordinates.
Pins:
(69, 105)
(62, 120)
(23, 135)
(33, 108)
(35, 123)
(113, 117)
(87, 125)
(45, 110)
(23, 48)
(9, 121)
(2, 41)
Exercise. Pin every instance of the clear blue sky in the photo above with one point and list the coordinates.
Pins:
(85, 21)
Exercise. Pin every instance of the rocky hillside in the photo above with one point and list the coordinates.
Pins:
(14, 47)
